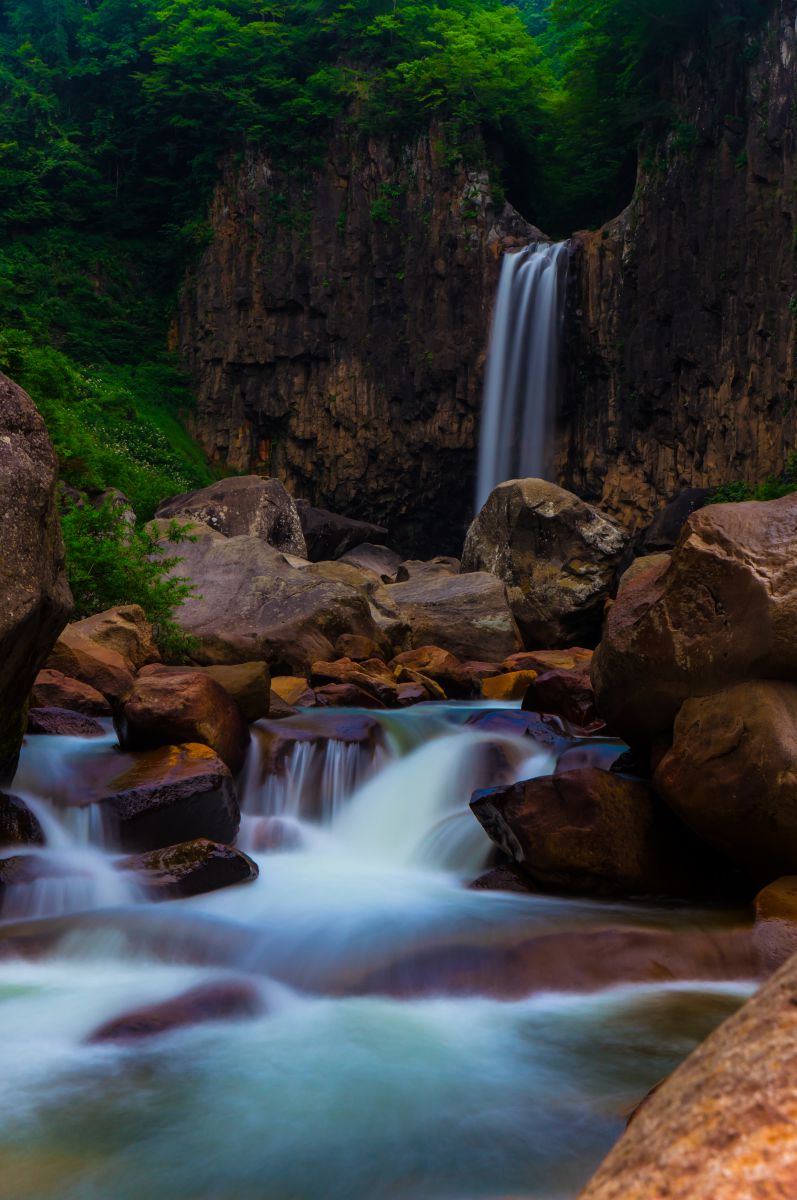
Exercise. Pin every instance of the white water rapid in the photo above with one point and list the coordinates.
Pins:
(414, 1039)
(520, 389)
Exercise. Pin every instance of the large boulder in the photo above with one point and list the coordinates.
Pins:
(593, 832)
(248, 684)
(379, 559)
(720, 610)
(329, 535)
(18, 825)
(36, 597)
(244, 504)
(468, 615)
(171, 795)
(52, 689)
(731, 774)
(124, 629)
(189, 869)
(556, 554)
(724, 1125)
(251, 604)
(100, 667)
(182, 706)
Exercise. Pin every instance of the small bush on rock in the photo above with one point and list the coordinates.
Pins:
(110, 562)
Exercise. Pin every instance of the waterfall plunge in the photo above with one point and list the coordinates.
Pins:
(522, 367)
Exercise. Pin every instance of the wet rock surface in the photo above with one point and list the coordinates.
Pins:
(189, 869)
(222, 1001)
(19, 826)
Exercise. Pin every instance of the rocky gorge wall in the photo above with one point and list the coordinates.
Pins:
(336, 326)
(682, 318)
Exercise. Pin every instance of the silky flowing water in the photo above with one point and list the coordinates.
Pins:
(372, 1073)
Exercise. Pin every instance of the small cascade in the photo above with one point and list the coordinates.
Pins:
(521, 386)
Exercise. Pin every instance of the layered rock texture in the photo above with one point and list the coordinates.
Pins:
(36, 601)
(336, 325)
(681, 330)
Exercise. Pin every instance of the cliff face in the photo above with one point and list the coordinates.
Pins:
(683, 312)
(335, 330)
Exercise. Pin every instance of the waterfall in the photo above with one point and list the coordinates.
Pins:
(522, 367)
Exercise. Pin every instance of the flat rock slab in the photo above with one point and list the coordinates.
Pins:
(61, 722)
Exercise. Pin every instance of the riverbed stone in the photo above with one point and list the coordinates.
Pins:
(724, 1125)
(433, 662)
(568, 694)
(468, 615)
(512, 685)
(555, 553)
(171, 795)
(189, 869)
(731, 774)
(593, 832)
(52, 689)
(223, 1000)
(372, 677)
(62, 722)
(720, 610)
(248, 684)
(36, 598)
(245, 504)
(182, 706)
(124, 629)
(19, 826)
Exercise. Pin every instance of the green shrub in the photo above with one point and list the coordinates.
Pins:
(110, 562)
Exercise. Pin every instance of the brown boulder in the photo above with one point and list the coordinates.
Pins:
(556, 554)
(345, 695)
(592, 832)
(173, 707)
(720, 611)
(189, 869)
(539, 727)
(433, 662)
(775, 932)
(356, 647)
(250, 604)
(513, 685)
(52, 689)
(124, 629)
(541, 661)
(731, 774)
(64, 723)
(36, 597)
(100, 667)
(405, 675)
(222, 1001)
(18, 825)
(724, 1125)
(294, 690)
(243, 505)
(569, 695)
(372, 677)
(171, 795)
(468, 615)
(411, 693)
(248, 684)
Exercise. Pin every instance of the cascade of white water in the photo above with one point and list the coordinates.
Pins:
(522, 367)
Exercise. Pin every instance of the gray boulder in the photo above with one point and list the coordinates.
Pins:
(329, 535)
(247, 504)
(556, 554)
(468, 615)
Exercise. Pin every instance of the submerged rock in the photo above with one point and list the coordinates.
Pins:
(171, 795)
(63, 722)
(731, 774)
(724, 1125)
(52, 689)
(221, 1001)
(592, 832)
(190, 869)
(244, 504)
(720, 610)
(182, 706)
(18, 825)
(36, 597)
(556, 554)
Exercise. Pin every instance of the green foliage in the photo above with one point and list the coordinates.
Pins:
(109, 562)
(771, 489)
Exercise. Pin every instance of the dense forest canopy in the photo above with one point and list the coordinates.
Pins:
(115, 114)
